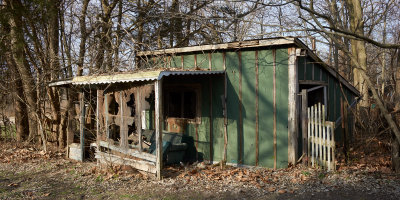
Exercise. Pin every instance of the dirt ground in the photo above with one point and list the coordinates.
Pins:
(28, 173)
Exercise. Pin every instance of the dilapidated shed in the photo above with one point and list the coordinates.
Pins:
(185, 104)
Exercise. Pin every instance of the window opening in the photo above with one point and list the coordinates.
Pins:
(113, 107)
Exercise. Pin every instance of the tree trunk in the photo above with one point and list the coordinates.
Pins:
(17, 49)
(21, 120)
(358, 49)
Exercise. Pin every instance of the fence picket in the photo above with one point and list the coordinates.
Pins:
(321, 140)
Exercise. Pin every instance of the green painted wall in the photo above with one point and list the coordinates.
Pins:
(265, 108)
(249, 107)
(282, 91)
(241, 136)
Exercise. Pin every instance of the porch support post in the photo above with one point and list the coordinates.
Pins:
(98, 93)
(158, 113)
(292, 111)
(82, 124)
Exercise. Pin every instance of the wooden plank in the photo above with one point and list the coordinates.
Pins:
(292, 107)
(232, 45)
(158, 120)
(98, 93)
(210, 86)
(139, 116)
(265, 108)
(312, 134)
(240, 132)
(209, 61)
(82, 125)
(309, 135)
(233, 103)
(106, 104)
(257, 125)
(274, 106)
(128, 151)
(123, 131)
(320, 133)
(106, 158)
(249, 108)
(311, 82)
(225, 111)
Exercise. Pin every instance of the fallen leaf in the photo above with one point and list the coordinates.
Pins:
(281, 191)
(13, 185)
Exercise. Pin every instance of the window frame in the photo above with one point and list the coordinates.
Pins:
(182, 88)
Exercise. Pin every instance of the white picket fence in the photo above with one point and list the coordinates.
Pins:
(321, 138)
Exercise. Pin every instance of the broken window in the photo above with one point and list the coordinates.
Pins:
(182, 102)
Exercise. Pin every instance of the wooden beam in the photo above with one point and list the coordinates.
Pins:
(98, 92)
(240, 110)
(106, 115)
(274, 107)
(211, 116)
(158, 113)
(82, 124)
(123, 130)
(232, 45)
(139, 116)
(225, 111)
(292, 107)
(209, 61)
(257, 142)
(128, 151)
(311, 82)
(106, 158)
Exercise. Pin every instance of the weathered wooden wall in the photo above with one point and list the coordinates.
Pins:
(257, 82)
(308, 69)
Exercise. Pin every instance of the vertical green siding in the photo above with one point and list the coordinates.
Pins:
(188, 62)
(300, 66)
(176, 62)
(265, 112)
(202, 60)
(282, 91)
(309, 69)
(203, 129)
(316, 72)
(217, 61)
(249, 107)
(217, 111)
(324, 75)
(232, 63)
(218, 118)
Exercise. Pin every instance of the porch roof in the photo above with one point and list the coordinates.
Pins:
(129, 77)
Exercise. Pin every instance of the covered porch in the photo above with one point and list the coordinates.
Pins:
(138, 116)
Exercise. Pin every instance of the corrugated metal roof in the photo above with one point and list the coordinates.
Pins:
(129, 77)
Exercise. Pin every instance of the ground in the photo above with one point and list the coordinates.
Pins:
(29, 173)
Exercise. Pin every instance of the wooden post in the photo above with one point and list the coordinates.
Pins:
(106, 115)
(82, 125)
(139, 116)
(274, 106)
(98, 115)
(292, 107)
(158, 113)
(123, 131)
(257, 107)
(225, 110)
(304, 120)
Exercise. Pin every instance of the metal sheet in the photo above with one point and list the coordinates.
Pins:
(130, 77)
